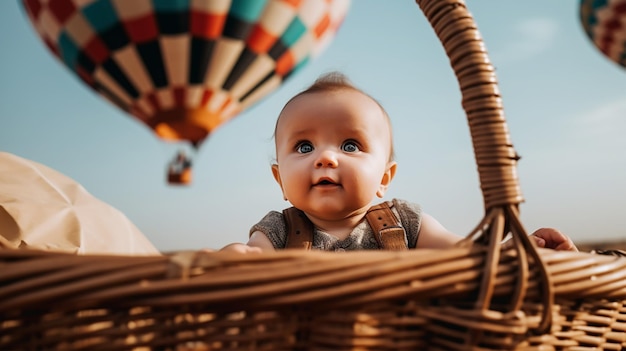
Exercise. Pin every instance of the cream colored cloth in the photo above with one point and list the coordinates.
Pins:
(41, 208)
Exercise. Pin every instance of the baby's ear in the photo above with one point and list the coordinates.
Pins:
(276, 175)
(386, 179)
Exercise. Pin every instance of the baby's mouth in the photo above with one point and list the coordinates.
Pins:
(326, 182)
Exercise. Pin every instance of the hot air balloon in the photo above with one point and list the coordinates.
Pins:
(184, 67)
(604, 22)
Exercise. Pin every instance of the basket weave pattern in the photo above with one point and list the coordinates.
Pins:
(304, 300)
(479, 295)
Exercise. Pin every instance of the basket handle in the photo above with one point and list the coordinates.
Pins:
(495, 156)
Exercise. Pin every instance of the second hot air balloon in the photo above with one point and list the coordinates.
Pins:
(184, 67)
(604, 22)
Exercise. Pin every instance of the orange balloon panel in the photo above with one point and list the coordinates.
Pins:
(184, 67)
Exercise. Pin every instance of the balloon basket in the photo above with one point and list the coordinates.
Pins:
(182, 178)
(479, 295)
(179, 170)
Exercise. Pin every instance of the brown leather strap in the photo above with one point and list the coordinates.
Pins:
(388, 230)
(299, 229)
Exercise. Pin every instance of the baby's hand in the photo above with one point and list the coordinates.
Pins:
(241, 248)
(551, 238)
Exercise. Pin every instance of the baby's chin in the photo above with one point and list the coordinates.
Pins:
(335, 212)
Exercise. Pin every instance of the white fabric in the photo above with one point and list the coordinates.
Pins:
(41, 208)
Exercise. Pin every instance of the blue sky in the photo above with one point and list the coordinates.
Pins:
(565, 105)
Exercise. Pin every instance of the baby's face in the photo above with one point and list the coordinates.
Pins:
(332, 151)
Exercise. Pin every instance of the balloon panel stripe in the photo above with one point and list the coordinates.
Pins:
(79, 29)
(206, 96)
(228, 111)
(596, 4)
(85, 63)
(321, 26)
(216, 7)
(150, 53)
(111, 67)
(312, 11)
(82, 3)
(236, 29)
(101, 15)
(137, 113)
(298, 66)
(103, 79)
(115, 37)
(153, 101)
(321, 44)
(261, 91)
(49, 25)
(277, 50)
(142, 29)
(62, 10)
(171, 23)
(175, 52)
(130, 62)
(302, 47)
(338, 10)
(256, 70)
(285, 63)
(165, 98)
(292, 3)
(329, 32)
(51, 46)
(244, 61)
(207, 25)
(114, 99)
(293, 33)
(246, 10)
(616, 32)
(179, 96)
(146, 108)
(193, 96)
(276, 17)
(257, 86)
(171, 5)
(69, 51)
(128, 10)
(96, 51)
(260, 41)
(33, 7)
(85, 75)
(227, 102)
(217, 100)
(225, 55)
(201, 52)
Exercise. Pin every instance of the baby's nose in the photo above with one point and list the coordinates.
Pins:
(326, 158)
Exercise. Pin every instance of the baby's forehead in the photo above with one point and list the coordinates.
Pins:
(340, 103)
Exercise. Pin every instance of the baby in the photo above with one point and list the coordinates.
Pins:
(334, 155)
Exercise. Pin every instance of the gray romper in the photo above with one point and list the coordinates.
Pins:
(361, 238)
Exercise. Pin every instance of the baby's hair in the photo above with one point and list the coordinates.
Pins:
(329, 82)
(334, 81)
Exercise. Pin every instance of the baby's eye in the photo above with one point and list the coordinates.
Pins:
(304, 147)
(350, 146)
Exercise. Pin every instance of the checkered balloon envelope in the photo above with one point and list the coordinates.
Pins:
(184, 67)
(604, 22)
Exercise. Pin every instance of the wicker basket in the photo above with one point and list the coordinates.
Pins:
(478, 295)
